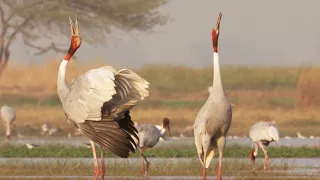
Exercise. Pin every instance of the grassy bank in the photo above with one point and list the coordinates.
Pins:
(231, 151)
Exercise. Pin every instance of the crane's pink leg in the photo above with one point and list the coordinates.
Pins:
(144, 171)
(103, 164)
(95, 161)
(204, 170)
(219, 174)
(221, 142)
(266, 158)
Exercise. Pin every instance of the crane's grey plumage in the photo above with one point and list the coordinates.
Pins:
(8, 115)
(262, 133)
(149, 136)
(98, 103)
(214, 118)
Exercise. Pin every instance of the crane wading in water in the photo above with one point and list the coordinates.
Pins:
(8, 115)
(214, 118)
(262, 133)
(98, 104)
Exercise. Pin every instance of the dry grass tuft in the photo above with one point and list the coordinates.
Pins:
(308, 88)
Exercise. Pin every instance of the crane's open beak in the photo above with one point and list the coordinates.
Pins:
(168, 127)
(218, 24)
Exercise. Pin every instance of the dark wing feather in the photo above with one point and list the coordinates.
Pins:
(113, 135)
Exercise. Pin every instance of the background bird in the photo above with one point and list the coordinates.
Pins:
(98, 103)
(31, 146)
(300, 136)
(214, 118)
(53, 131)
(262, 133)
(148, 137)
(45, 128)
(8, 115)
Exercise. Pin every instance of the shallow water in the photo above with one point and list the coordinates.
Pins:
(297, 162)
(186, 141)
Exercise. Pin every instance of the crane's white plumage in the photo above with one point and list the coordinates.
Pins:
(91, 90)
(8, 114)
(264, 131)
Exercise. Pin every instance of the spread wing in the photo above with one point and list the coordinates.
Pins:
(103, 90)
(99, 102)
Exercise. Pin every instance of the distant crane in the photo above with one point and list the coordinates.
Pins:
(300, 136)
(31, 146)
(262, 133)
(148, 137)
(214, 118)
(45, 128)
(98, 103)
(53, 131)
(8, 115)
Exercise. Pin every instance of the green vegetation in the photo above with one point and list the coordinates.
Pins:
(120, 167)
(175, 151)
(182, 79)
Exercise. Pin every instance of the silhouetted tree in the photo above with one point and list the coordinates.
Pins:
(31, 20)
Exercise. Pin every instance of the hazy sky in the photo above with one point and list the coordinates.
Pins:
(272, 32)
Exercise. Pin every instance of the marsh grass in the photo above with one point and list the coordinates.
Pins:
(187, 168)
(233, 151)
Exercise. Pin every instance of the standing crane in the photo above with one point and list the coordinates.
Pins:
(98, 103)
(262, 133)
(214, 118)
(8, 115)
(149, 136)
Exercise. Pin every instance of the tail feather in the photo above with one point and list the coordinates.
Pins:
(209, 158)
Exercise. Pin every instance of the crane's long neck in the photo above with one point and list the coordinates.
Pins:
(217, 82)
(62, 86)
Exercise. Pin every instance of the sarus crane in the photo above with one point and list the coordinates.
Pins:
(8, 115)
(214, 118)
(262, 133)
(98, 103)
(149, 136)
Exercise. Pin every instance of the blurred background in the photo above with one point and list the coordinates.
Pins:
(269, 53)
